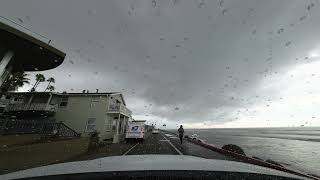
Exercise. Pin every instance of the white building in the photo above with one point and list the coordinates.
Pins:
(105, 113)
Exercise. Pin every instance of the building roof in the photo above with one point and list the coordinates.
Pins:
(30, 52)
(75, 94)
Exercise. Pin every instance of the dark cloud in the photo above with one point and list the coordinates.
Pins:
(170, 54)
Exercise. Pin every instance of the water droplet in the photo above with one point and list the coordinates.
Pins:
(28, 18)
(95, 73)
(221, 2)
(92, 12)
(116, 68)
(154, 3)
(36, 69)
(303, 18)
(185, 38)
(281, 30)
(20, 20)
(224, 12)
(176, 108)
(178, 45)
(69, 75)
(310, 6)
(254, 32)
(201, 4)
(175, 2)
(227, 67)
(71, 62)
(288, 43)
(174, 57)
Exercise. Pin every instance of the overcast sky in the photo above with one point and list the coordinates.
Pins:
(200, 63)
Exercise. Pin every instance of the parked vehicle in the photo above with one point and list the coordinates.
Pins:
(155, 131)
(135, 130)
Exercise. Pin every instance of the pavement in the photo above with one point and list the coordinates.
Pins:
(165, 143)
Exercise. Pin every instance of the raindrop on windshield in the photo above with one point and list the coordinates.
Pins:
(20, 20)
(310, 6)
(176, 108)
(154, 3)
(281, 30)
(221, 2)
(28, 18)
(92, 12)
(224, 11)
(288, 43)
(71, 62)
(201, 4)
(302, 18)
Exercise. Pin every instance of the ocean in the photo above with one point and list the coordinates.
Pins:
(296, 148)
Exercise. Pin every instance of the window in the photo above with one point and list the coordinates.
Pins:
(91, 125)
(64, 101)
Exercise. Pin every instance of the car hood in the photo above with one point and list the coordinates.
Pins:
(144, 163)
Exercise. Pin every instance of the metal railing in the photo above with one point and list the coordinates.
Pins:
(36, 127)
(119, 108)
(32, 107)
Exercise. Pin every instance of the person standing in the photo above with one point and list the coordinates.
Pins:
(181, 131)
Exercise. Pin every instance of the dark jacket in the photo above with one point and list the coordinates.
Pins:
(181, 131)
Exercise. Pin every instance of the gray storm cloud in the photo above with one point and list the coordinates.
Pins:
(192, 60)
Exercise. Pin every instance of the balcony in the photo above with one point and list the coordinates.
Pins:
(119, 108)
(32, 107)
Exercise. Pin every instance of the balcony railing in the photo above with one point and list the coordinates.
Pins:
(32, 107)
(119, 108)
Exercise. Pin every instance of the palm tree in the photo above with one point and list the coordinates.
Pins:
(39, 78)
(14, 81)
(50, 80)
(51, 88)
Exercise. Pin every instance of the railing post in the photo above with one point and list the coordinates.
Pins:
(59, 128)
(4, 127)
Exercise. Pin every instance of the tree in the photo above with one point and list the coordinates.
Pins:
(14, 81)
(39, 78)
(50, 80)
(51, 88)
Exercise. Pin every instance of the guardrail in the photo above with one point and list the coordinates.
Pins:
(36, 127)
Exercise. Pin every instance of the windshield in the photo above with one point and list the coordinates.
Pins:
(82, 80)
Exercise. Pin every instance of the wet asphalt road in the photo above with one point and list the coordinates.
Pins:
(164, 143)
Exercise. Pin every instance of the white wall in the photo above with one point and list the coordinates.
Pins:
(79, 109)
